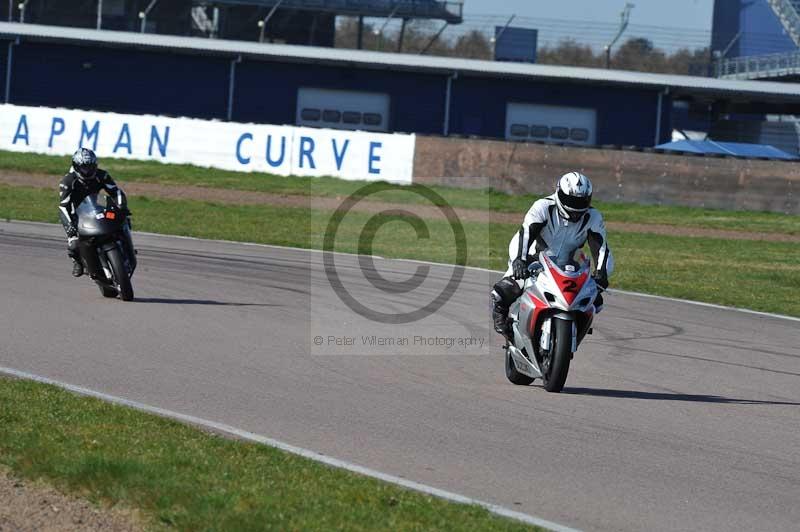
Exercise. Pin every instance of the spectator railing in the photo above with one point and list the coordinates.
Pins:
(759, 66)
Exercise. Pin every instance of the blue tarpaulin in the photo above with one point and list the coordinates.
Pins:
(738, 149)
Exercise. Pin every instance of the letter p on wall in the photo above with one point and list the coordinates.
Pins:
(56, 128)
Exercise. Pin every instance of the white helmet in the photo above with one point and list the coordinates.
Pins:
(573, 195)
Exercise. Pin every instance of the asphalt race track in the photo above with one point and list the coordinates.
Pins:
(675, 416)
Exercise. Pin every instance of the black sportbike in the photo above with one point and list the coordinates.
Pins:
(106, 246)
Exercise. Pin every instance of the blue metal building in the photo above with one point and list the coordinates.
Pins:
(284, 84)
(757, 39)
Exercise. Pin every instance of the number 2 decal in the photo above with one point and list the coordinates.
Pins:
(570, 286)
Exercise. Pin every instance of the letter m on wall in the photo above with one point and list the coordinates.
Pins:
(91, 135)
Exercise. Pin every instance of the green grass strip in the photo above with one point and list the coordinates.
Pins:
(173, 174)
(186, 479)
(757, 275)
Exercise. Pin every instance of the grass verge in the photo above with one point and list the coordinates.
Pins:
(187, 479)
(750, 274)
(173, 174)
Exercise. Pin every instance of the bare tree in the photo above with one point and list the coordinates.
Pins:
(637, 53)
(472, 45)
(569, 52)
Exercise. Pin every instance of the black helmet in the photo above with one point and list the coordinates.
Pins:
(84, 162)
(573, 195)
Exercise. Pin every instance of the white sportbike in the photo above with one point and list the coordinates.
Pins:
(549, 321)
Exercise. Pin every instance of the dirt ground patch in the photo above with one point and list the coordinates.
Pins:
(239, 197)
(35, 507)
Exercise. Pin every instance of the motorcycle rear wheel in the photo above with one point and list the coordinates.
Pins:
(561, 354)
(514, 376)
(120, 274)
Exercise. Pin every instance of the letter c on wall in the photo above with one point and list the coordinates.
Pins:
(243, 160)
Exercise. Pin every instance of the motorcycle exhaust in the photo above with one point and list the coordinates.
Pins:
(524, 365)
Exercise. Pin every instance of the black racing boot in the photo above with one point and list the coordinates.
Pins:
(501, 322)
(77, 268)
(598, 303)
(504, 292)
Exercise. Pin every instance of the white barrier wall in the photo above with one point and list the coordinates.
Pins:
(283, 150)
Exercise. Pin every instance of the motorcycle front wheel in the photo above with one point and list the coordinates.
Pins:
(556, 368)
(120, 274)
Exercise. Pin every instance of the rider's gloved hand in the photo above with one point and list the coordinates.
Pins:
(519, 267)
(72, 231)
(601, 279)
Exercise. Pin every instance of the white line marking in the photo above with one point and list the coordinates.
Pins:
(299, 451)
(702, 304)
(476, 268)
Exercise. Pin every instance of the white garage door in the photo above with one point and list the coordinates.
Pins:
(551, 123)
(368, 111)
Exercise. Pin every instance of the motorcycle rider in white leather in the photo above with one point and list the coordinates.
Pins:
(561, 224)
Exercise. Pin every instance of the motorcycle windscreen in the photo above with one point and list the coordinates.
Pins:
(91, 217)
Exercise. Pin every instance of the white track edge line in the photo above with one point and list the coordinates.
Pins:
(299, 451)
(443, 264)
(709, 305)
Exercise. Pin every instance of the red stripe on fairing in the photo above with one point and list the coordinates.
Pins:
(538, 306)
(537, 303)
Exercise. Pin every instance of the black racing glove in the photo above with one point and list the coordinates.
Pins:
(72, 231)
(519, 267)
(601, 279)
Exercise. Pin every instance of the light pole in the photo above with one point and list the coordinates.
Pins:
(379, 33)
(262, 24)
(21, 7)
(99, 13)
(143, 14)
(625, 16)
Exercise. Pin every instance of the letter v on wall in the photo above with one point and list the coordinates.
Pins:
(337, 155)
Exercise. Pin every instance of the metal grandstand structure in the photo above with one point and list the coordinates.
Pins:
(448, 10)
(310, 22)
(787, 13)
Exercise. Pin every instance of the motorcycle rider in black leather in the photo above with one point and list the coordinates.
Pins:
(83, 179)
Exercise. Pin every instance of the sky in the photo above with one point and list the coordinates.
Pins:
(687, 14)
